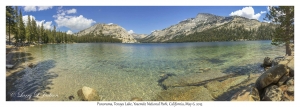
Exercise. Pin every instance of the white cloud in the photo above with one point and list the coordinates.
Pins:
(130, 31)
(40, 8)
(29, 8)
(72, 22)
(69, 32)
(262, 12)
(247, 12)
(47, 25)
(25, 18)
(36, 8)
(71, 11)
(266, 21)
(109, 23)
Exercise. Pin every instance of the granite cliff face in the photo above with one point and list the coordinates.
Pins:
(113, 30)
(138, 36)
(201, 22)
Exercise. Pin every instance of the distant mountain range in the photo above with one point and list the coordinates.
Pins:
(194, 29)
(113, 30)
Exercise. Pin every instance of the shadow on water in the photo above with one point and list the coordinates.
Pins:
(215, 61)
(30, 83)
(239, 70)
(18, 58)
(227, 95)
(243, 70)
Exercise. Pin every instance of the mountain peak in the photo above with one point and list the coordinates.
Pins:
(202, 22)
(205, 14)
(113, 30)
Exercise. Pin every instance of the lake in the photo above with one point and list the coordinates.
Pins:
(122, 71)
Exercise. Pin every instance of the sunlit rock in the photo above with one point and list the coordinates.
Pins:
(88, 94)
(271, 76)
(248, 94)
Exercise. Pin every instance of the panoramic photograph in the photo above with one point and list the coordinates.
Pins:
(149, 53)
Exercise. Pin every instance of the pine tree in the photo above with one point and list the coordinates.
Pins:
(29, 30)
(42, 35)
(10, 21)
(22, 31)
(16, 27)
(54, 34)
(284, 33)
(34, 30)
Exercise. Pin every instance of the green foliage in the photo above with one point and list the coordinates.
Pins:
(234, 33)
(31, 32)
(34, 33)
(28, 30)
(10, 21)
(91, 38)
(22, 31)
(16, 27)
(283, 16)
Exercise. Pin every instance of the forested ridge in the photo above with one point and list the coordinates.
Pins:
(30, 32)
(224, 33)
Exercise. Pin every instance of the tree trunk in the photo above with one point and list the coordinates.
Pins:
(9, 32)
(288, 50)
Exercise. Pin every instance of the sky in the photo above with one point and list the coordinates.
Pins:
(135, 19)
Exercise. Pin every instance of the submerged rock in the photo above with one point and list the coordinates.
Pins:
(271, 76)
(71, 97)
(163, 77)
(248, 94)
(217, 88)
(191, 93)
(272, 93)
(136, 99)
(31, 65)
(88, 94)
(192, 78)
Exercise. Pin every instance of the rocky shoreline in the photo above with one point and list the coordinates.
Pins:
(275, 84)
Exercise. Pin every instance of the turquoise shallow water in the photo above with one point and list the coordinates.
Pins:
(122, 71)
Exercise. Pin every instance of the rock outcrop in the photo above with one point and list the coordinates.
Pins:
(113, 30)
(272, 93)
(275, 84)
(271, 76)
(138, 36)
(88, 94)
(202, 22)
